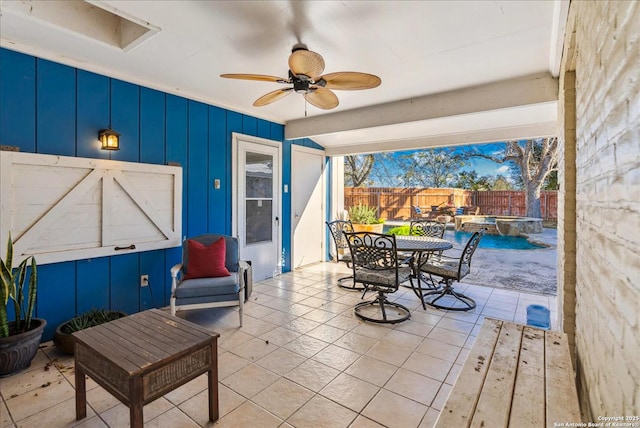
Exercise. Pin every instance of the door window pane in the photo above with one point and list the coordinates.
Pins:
(259, 175)
(258, 221)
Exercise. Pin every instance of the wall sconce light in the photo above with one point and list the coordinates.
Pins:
(110, 139)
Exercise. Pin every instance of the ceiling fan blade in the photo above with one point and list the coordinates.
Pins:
(260, 77)
(305, 62)
(272, 97)
(350, 80)
(322, 98)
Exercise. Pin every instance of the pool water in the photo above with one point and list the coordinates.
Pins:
(493, 242)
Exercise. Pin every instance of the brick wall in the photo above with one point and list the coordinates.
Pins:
(607, 189)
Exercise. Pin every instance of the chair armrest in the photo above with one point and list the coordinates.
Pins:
(175, 270)
(242, 267)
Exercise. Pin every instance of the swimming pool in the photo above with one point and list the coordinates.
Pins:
(491, 242)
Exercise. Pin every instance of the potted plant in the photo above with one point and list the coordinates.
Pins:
(63, 339)
(19, 339)
(364, 219)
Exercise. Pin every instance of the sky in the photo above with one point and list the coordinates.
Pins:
(480, 165)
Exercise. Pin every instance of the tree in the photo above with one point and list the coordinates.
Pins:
(357, 169)
(431, 168)
(536, 159)
(471, 181)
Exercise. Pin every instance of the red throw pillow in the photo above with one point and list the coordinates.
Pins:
(206, 262)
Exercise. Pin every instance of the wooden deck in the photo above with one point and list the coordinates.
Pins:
(514, 376)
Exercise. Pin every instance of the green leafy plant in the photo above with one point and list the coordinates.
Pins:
(364, 214)
(90, 318)
(13, 288)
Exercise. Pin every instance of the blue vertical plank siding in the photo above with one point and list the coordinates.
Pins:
(56, 294)
(125, 118)
(234, 124)
(56, 109)
(152, 263)
(125, 283)
(51, 108)
(92, 278)
(92, 100)
(17, 100)
(198, 155)
(218, 154)
(152, 126)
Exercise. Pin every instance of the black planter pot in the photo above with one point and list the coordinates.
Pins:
(64, 341)
(17, 351)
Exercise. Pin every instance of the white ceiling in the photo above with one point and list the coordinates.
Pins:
(453, 72)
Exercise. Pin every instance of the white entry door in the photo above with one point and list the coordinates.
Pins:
(257, 203)
(307, 205)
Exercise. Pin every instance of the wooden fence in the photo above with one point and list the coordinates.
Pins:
(394, 203)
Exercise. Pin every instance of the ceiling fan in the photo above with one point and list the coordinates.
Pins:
(305, 74)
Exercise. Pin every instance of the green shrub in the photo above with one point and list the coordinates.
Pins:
(399, 230)
(90, 318)
(364, 214)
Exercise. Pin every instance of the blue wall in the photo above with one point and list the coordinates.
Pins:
(46, 107)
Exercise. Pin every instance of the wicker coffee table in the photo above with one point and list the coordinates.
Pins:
(141, 357)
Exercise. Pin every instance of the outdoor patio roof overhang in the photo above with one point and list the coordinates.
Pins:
(517, 108)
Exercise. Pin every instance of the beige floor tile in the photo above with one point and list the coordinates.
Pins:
(279, 318)
(312, 375)
(257, 311)
(100, 399)
(280, 336)
(350, 392)
(403, 339)
(441, 397)
(355, 342)
(429, 366)
(458, 326)
(375, 331)
(306, 346)
(390, 353)
(431, 317)
(5, 418)
(406, 413)
(371, 370)
(302, 325)
(197, 407)
(448, 336)
(189, 389)
(62, 414)
(118, 416)
(414, 327)
(283, 398)
(229, 363)
(336, 357)
(453, 374)
(296, 308)
(232, 339)
(249, 415)
(254, 349)
(362, 422)
(281, 361)
(437, 349)
(430, 418)
(326, 333)
(319, 314)
(37, 400)
(173, 418)
(414, 386)
(250, 380)
(30, 380)
(322, 412)
(345, 322)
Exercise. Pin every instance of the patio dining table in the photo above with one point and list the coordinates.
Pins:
(421, 246)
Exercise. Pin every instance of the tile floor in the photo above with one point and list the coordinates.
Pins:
(301, 360)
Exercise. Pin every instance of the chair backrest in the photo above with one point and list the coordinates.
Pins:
(232, 250)
(373, 251)
(434, 229)
(469, 249)
(337, 229)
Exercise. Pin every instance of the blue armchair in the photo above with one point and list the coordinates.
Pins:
(233, 289)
